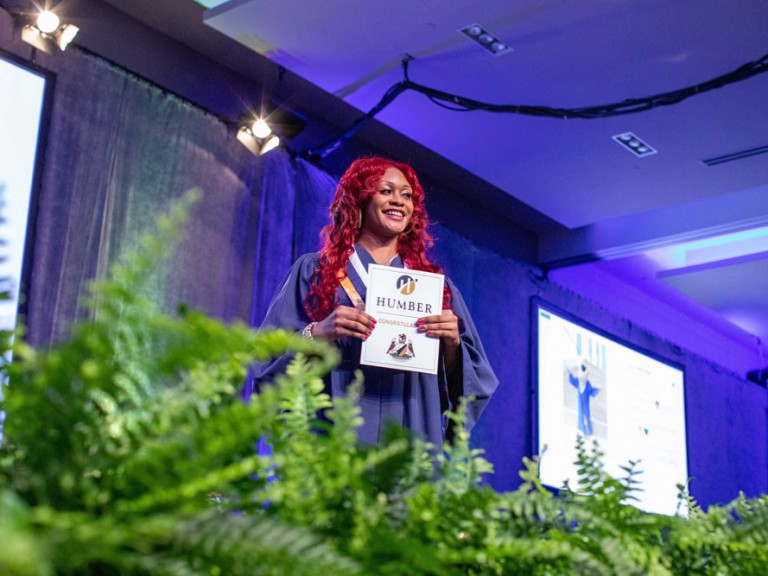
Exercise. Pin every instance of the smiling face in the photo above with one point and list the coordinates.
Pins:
(389, 210)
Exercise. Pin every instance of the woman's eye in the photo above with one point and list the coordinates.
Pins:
(385, 191)
(407, 195)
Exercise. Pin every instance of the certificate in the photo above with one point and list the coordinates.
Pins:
(397, 297)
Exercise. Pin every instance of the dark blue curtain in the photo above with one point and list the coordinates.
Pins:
(121, 151)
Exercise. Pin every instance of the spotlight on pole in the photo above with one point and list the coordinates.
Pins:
(48, 22)
(270, 144)
(46, 32)
(260, 128)
(264, 133)
(257, 136)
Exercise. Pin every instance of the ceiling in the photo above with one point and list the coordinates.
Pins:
(669, 222)
(692, 226)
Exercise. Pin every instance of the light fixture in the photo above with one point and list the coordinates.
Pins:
(48, 31)
(485, 39)
(742, 245)
(260, 128)
(264, 132)
(634, 144)
(270, 144)
(257, 137)
(66, 34)
(48, 22)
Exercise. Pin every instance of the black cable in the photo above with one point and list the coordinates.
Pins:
(458, 103)
(323, 151)
(451, 108)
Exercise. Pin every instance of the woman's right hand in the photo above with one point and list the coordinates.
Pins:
(344, 321)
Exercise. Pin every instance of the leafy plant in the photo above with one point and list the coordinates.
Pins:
(129, 451)
(117, 441)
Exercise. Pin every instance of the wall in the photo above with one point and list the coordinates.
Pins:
(726, 415)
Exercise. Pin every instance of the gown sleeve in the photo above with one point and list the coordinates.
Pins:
(286, 311)
(477, 378)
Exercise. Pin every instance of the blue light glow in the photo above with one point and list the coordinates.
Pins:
(211, 3)
(713, 249)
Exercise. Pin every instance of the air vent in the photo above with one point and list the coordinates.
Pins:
(736, 156)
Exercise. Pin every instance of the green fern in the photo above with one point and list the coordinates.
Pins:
(118, 437)
(129, 451)
(461, 467)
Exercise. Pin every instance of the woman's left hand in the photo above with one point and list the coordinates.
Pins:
(445, 326)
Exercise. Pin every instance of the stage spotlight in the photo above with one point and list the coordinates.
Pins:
(266, 131)
(269, 144)
(246, 138)
(48, 31)
(261, 129)
(48, 22)
(66, 34)
(258, 138)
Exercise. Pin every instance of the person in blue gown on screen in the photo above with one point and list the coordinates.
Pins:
(378, 217)
(585, 391)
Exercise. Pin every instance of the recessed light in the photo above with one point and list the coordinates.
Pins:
(485, 39)
(634, 144)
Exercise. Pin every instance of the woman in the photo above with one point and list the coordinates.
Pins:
(378, 216)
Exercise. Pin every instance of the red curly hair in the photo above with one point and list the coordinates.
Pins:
(356, 187)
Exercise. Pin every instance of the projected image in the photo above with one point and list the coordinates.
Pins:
(595, 387)
(585, 397)
(21, 101)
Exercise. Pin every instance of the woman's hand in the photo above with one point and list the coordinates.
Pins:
(344, 321)
(445, 326)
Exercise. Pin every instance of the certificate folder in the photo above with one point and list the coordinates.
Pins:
(397, 298)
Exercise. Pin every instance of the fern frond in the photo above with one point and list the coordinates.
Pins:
(461, 467)
(255, 544)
